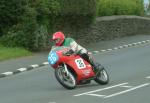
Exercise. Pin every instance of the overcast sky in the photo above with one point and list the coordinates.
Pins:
(146, 1)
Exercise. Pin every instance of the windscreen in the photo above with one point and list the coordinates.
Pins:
(56, 48)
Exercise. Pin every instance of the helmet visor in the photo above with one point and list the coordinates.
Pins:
(58, 40)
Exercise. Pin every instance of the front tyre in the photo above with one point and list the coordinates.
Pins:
(67, 81)
(102, 76)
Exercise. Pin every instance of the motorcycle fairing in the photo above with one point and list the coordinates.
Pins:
(82, 68)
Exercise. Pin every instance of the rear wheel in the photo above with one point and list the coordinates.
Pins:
(67, 81)
(102, 76)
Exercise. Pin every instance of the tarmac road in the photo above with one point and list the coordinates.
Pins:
(128, 68)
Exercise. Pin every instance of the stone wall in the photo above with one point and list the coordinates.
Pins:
(111, 27)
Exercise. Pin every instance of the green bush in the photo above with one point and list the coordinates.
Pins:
(10, 13)
(120, 7)
(75, 15)
(28, 23)
(31, 29)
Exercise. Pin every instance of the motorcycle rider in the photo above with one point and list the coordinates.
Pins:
(60, 40)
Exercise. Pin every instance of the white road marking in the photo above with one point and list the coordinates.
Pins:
(22, 69)
(143, 41)
(45, 63)
(109, 49)
(120, 47)
(96, 95)
(34, 65)
(135, 43)
(115, 48)
(147, 40)
(148, 77)
(8, 73)
(96, 51)
(129, 44)
(125, 86)
(125, 45)
(115, 94)
(103, 50)
(89, 53)
(100, 89)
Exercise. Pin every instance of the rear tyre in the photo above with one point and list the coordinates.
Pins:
(68, 82)
(101, 76)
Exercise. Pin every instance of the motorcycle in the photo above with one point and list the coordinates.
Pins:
(71, 70)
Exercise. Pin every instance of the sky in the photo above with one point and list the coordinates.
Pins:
(146, 1)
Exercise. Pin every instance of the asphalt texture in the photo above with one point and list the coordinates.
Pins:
(128, 68)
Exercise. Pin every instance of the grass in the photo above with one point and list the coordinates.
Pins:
(9, 53)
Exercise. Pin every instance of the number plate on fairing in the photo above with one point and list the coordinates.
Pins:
(80, 63)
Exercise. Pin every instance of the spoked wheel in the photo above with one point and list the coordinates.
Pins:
(102, 76)
(67, 81)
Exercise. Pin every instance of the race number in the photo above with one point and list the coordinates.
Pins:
(52, 58)
(80, 63)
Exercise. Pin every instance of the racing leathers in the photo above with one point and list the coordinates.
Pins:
(72, 44)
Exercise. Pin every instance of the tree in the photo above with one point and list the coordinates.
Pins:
(10, 13)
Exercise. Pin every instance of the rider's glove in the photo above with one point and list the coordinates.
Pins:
(79, 52)
(69, 52)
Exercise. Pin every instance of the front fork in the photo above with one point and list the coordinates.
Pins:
(66, 70)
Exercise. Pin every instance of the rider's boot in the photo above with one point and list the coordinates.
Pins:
(95, 68)
(89, 60)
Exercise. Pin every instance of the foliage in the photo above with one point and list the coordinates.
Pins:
(120, 7)
(75, 15)
(26, 23)
(27, 28)
(10, 13)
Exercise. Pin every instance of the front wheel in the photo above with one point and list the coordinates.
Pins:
(67, 81)
(102, 76)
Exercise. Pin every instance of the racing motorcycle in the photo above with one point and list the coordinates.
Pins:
(71, 70)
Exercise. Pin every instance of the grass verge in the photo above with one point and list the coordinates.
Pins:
(9, 53)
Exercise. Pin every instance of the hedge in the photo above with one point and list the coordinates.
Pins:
(30, 24)
(120, 7)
